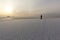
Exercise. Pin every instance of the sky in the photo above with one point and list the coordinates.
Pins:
(29, 5)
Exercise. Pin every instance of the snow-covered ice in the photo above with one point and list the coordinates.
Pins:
(30, 29)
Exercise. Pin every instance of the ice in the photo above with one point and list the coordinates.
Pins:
(30, 29)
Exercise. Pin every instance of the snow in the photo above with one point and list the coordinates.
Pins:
(30, 29)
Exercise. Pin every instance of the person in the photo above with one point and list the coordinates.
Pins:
(41, 16)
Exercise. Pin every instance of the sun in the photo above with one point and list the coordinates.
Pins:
(8, 9)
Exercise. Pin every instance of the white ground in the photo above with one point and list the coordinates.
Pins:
(30, 29)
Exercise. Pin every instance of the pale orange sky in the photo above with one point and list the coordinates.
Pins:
(30, 5)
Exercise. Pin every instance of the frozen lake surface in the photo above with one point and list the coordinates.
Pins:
(30, 29)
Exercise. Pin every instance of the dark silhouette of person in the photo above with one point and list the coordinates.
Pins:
(41, 16)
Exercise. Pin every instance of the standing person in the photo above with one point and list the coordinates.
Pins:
(41, 16)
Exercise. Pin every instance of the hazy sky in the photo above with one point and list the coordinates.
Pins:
(20, 5)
